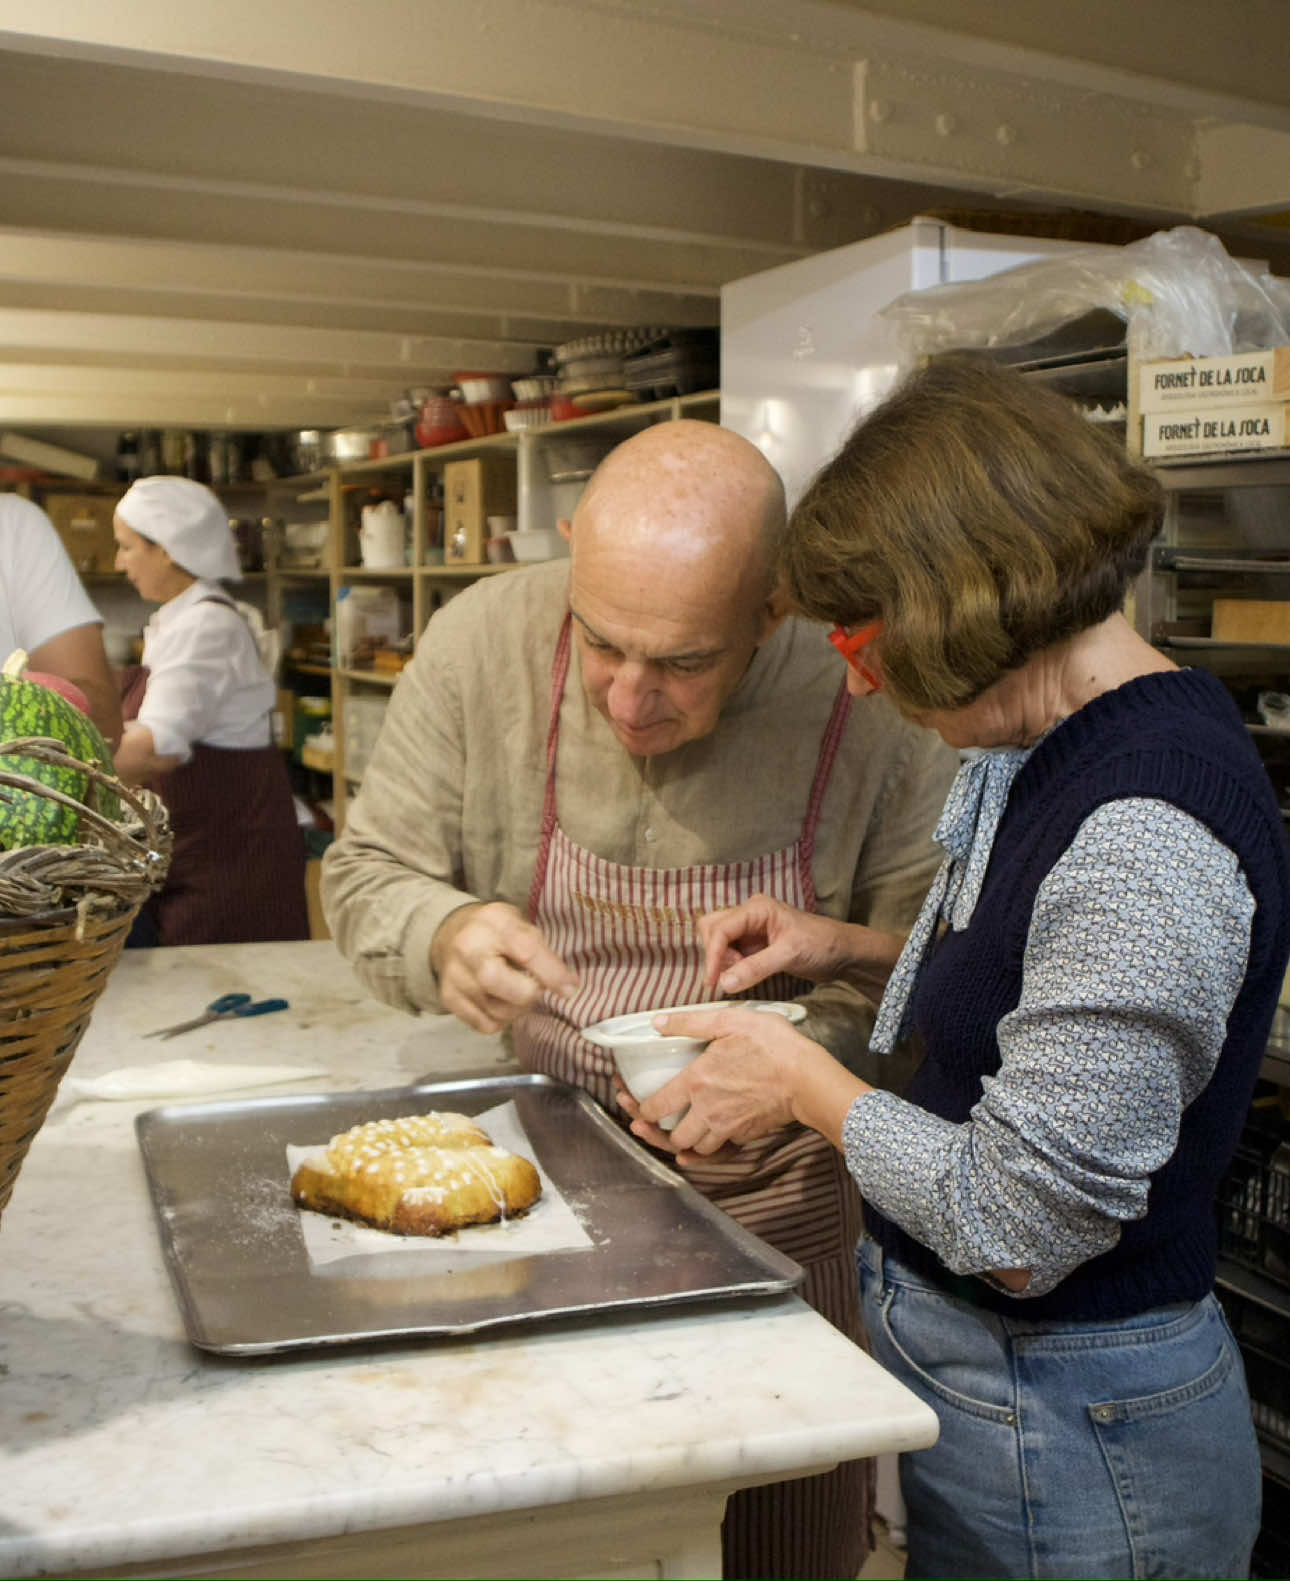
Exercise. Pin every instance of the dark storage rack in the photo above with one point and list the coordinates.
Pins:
(1254, 1289)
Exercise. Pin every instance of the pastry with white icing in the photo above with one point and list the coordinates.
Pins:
(422, 1174)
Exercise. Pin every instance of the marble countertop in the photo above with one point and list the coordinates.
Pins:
(121, 1444)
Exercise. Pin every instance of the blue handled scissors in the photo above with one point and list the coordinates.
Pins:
(222, 1009)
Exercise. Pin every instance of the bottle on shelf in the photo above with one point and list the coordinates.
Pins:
(127, 457)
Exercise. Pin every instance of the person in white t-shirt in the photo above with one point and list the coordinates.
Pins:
(200, 733)
(45, 610)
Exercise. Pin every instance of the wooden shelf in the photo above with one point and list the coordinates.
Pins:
(466, 573)
(376, 677)
(429, 583)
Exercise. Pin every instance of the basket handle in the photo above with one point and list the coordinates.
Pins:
(46, 750)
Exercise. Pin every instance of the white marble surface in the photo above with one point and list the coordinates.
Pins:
(121, 1444)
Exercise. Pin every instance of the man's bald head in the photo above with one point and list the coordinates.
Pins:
(691, 489)
(672, 585)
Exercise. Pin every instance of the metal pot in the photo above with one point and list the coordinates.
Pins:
(351, 444)
(307, 450)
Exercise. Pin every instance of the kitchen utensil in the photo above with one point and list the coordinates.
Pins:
(224, 1008)
(219, 1179)
(647, 1060)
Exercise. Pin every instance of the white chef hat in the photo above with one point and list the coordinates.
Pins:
(187, 520)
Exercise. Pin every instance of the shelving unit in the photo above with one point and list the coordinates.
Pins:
(1227, 534)
(426, 581)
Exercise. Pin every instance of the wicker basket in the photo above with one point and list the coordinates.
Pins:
(65, 911)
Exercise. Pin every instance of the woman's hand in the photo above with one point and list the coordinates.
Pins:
(748, 943)
(757, 1074)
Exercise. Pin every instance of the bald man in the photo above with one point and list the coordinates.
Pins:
(585, 756)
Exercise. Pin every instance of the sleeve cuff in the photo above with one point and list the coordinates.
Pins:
(422, 981)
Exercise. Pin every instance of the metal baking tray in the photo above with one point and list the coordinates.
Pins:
(234, 1248)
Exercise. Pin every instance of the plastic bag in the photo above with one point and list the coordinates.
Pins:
(1179, 293)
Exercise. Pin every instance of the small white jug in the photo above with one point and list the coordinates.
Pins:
(381, 537)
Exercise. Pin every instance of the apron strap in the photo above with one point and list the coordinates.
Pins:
(823, 773)
(559, 675)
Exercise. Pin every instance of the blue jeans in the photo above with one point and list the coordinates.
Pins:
(1120, 1448)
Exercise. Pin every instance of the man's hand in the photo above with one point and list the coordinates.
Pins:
(492, 965)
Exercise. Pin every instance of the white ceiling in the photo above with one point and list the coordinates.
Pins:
(285, 214)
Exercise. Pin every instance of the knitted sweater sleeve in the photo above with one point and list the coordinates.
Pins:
(1135, 954)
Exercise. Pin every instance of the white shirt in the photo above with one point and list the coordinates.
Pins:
(41, 595)
(206, 681)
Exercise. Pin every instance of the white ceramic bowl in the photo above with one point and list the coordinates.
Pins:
(477, 387)
(537, 543)
(647, 1060)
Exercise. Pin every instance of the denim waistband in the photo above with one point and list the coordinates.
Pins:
(963, 1287)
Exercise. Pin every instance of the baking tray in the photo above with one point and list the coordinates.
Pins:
(217, 1173)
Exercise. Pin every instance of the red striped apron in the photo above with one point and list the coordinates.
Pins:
(628, 933)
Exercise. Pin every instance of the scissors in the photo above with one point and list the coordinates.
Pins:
(221, 1009)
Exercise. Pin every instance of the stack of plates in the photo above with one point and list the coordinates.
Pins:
(591, 368)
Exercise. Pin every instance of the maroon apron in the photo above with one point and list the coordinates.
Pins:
(628, 934)
(237, 873)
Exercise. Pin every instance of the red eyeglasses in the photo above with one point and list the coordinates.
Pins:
(851, 645)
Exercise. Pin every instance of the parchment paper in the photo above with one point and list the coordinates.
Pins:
(550, 1225)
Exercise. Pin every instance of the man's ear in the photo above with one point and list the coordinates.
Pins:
(564, 527)
(777, 608)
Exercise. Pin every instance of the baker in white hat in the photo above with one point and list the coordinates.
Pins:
(199, 729)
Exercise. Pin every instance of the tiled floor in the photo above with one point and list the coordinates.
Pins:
(886, 1562)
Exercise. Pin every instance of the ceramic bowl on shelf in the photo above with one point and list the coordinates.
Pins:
(535, 388)
(647, 1060)
(527, 414)
(537, 543)
(478, 387)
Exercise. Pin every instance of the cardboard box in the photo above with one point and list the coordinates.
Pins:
(1197, 381)
(84, 523)
(1213, 429)
(1250, 620)
(473, 491)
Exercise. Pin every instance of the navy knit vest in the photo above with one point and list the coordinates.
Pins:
(1177, 737)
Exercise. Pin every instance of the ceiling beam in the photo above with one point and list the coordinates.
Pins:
(760, 79)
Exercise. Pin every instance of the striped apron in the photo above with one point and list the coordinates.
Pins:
(628, 933)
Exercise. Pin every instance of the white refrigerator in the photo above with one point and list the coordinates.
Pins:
(803, 354)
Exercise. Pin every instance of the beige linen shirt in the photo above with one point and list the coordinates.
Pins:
(450, 808)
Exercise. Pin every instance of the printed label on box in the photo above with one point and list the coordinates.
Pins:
(1191, 381)
(1184, 433)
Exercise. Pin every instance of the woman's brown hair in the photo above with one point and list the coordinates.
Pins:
(981, 517)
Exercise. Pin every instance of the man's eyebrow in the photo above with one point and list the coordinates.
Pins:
(659, 658)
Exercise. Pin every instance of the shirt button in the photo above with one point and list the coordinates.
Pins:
(650, 836)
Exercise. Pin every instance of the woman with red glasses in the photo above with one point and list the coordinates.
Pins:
(1092, 977)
